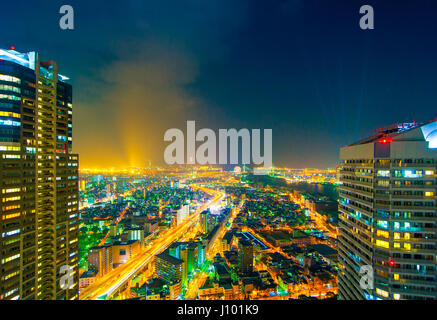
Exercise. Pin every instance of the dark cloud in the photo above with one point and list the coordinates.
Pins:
(301, 68)
(143, 95)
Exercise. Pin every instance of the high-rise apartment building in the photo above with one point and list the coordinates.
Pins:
(100, 259)
(182, 214)
(38, 180)
(245, 255)
(204, 221)
(388, 215)
(169, 268)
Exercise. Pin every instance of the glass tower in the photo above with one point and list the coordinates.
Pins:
(388, 215)
(38, 181)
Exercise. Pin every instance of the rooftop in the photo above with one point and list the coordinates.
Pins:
(27, 60)
(166, 257)
(122, 243)
(404, 131)
(323, 249)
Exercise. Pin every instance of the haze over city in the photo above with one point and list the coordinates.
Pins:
(250, 151)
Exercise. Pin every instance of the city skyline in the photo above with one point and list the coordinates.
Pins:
(224, 150)
(38, 180)
(317, 79)
(199, 232)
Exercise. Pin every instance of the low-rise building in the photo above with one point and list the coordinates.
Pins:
(87, 278)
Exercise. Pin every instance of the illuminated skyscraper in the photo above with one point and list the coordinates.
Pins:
(204, 221)
(82, 185)
(388, 215)
(38, 179)
(245, 255)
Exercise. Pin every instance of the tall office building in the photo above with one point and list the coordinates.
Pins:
(38, 179)
(388, 215)
(204, 221)
(245, 255)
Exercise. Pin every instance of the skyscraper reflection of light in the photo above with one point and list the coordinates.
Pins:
(38, 180)
(388, 216)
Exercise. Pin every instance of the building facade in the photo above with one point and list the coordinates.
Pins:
(245, 255)
(38, 180)
(100, 258)
(169, 268)
(388, 215)
(204, 221)
(122, 251)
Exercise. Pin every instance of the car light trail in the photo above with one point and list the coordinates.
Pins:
(103, 289)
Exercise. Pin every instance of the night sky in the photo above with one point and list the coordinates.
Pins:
(303, 68)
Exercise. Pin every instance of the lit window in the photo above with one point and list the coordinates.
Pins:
(413, 173)
(382, 224)
(10, 123)
(10, 216)
(383, 244)
(11, 190)
(10, 88)
(9, 78)
(9, 148)
(396, 296)
(382, 293)
(383, 234)
(383, 173)
(10, 97)
(10, 114)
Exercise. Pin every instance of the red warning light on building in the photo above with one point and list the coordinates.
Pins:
(385, 140)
